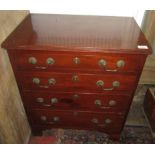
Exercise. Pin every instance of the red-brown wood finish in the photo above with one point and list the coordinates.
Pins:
(77, 101)
(84, 82)
(76, 45)
(88, 62)
(76, 118)
(61, 32)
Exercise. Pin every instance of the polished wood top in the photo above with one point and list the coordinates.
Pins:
(74, 32)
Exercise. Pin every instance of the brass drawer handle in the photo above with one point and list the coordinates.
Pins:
(40, 67)
(108, 121)
(55, 120)
(46, 105)
(112, 103)
(54, 100)
(50, 61)
(51, 81)
(98, 103)
(43, 118)
(102, 63)
(95, 121)
(115, 84)
(111, 70)
(36, 80)
(108, 89)
(40, 100)
(119, 64)
(32, 60)
(100, 83)
(76, 60)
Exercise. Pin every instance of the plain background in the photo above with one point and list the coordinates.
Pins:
(80, 7)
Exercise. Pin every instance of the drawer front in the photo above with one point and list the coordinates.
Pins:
(76, 119)
(77, 61)
(72, 82)
(71, 101)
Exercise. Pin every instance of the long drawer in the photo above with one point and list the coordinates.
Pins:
(79, 101)
(44, 60)
(74, 81)
(77, 119)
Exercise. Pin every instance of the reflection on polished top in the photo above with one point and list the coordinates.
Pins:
(72, 32)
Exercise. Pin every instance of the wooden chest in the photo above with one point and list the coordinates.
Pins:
(77, 71)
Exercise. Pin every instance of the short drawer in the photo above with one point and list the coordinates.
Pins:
(72, 101)
(74, 81)
(76, 119)
(44, 60)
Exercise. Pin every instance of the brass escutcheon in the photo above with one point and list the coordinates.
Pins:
(75, 78)
(76, 60)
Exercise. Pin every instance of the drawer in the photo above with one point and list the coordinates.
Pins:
(76, 119)
(81, 101)
(73, 82)
(44, 60)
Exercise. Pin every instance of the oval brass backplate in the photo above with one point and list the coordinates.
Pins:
(116, 83)
(40, 100)
(32, 60)
(52, 81)
(54, 100)
(98, 102)
(100, 83)
(50, 61)
(120, 63)
(102, 63)
(112, 103)
(36, 80)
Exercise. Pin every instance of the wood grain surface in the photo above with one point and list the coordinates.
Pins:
(89, 39)
(96, 33)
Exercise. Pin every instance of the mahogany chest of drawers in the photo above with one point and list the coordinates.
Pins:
(77, 72)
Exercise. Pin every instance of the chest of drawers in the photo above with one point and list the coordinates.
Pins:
(77, 72)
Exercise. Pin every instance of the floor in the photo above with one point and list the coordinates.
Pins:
(136, 130)
(136, 116)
